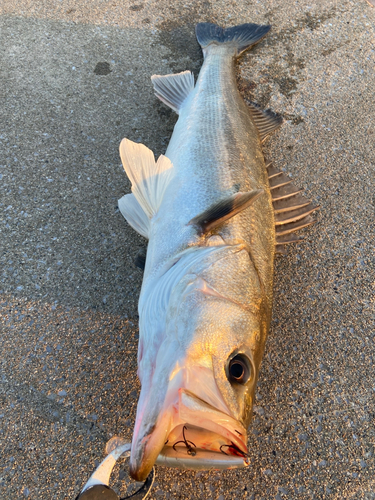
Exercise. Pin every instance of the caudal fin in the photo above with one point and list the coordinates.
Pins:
(242, 36)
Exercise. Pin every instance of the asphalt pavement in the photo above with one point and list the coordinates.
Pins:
(75, 80)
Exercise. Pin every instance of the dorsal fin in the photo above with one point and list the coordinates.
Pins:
(294, 226)
(173, 89)
(292, 211)
(278, 181)
(294, 215)
(224, 210)
(266, 121)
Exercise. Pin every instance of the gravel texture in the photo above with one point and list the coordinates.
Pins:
(75, 80)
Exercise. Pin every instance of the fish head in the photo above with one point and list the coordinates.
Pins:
(197, 392)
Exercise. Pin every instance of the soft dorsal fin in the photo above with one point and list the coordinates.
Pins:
(149, 181)
(173, 89)
(266, 121)
(224, 210)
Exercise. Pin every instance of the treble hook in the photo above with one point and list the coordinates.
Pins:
(190, 449)
(235, 448)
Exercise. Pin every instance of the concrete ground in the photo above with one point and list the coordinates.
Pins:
(75, 80)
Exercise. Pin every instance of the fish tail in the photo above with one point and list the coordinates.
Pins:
(241, 37)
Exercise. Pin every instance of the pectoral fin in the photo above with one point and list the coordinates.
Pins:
(224, 210)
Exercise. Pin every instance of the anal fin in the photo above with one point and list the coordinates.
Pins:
(224, 210)
(173, 89)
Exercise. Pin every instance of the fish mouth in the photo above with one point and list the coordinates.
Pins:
(192, 434)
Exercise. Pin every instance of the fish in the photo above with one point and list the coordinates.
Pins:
(214, 213)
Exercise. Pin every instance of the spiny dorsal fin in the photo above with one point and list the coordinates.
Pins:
(272, 171)
(285, 205)
(294, 215)
(287, 239)
(278, 181)
(266, 121)
(294, 226)
(292, 211)
(285, 192)
(224, 210)
(173, 89)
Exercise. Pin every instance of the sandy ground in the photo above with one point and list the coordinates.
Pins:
(75, 80)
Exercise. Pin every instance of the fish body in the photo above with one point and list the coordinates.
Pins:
(205, 307)
(215, 151)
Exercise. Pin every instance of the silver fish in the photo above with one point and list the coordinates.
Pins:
(214, 214)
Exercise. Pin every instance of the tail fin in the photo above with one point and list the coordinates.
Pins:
(242, 36)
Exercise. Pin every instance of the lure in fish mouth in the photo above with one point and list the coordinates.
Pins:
(197, 436)
(214, 214)
(191, 432)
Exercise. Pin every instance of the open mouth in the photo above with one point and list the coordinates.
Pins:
(207, 451)
(193, 429)
(202, 437)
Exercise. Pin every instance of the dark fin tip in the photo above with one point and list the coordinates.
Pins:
(242, 36)
(224, 210)
(98, 492)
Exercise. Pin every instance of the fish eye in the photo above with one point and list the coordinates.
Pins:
(239, 369)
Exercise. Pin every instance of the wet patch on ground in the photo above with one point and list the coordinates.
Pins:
(181, 41)
(285, 71)
(309, 20)
(102, 68)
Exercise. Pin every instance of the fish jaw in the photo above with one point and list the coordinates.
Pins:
(206, 421)
(198, 433)
(151, 426)
(145, 448)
